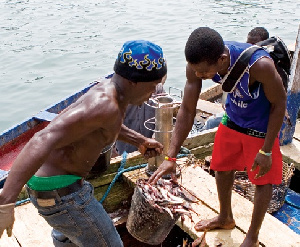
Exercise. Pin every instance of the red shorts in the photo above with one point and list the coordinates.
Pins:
(236, 151)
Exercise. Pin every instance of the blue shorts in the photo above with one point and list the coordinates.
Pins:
(78, 219)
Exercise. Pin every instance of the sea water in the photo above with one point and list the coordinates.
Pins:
(50, 49)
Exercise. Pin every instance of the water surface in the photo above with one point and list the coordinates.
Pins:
(50, 49)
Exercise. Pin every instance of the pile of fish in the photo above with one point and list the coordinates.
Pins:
(166, 196)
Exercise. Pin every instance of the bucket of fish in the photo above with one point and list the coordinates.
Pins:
(154, 211)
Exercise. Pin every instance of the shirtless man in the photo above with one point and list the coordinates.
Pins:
(248, 134)
(56, 160)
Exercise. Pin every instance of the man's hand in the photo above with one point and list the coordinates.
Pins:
(7, 218)
(167, 167)
(150, 148)
(264, 163)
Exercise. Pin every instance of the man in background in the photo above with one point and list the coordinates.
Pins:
(257, 34)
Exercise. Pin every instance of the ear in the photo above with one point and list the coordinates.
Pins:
(133, 84)
(223, 57)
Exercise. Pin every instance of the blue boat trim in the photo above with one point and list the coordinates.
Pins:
(45, 116)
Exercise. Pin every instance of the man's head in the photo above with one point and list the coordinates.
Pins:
(143, 65)
(204, 44)
(141, 61)
(204, 52)
(257, 34)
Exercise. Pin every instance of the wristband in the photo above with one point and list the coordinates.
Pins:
(264, 153)
(170, 159)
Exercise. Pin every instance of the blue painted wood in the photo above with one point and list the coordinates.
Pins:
(288, 127)
(17, 130)
(45, 116)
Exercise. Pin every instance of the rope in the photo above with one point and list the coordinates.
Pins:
(21, 202)
(121, 170)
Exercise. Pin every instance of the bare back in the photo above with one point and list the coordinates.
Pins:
(81, 131)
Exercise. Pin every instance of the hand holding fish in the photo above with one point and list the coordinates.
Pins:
(167, 167)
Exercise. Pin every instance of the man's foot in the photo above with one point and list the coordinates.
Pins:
(214, 223)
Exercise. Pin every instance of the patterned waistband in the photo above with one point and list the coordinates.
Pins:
(250, 132)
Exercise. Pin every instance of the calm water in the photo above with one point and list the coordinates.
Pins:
(50, 49)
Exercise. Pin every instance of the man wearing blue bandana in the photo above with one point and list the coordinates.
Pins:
(56, 160)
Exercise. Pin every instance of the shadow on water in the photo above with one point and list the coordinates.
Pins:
(174, 239)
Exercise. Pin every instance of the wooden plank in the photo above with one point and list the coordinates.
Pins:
(231, 238)
(119, 196)
(105, 178)
(211, 93)
(209, 107)
(195, 179)
(272, 233)
(6, 241)
(203, 138)
(293, 95)
(295, 67)
(30, 229)
(297, 131)
(291, 153)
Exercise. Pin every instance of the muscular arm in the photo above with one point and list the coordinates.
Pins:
(265, 72)
(130, 136)
(70, 126)
(186, 113)
(147, 146)
(184, 123)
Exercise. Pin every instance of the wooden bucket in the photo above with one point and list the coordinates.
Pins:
(146, 223)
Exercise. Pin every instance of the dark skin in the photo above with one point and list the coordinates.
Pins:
(73, 141)
(263, 71)
(253, 39)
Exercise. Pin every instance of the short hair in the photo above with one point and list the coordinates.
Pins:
(204, 44)
(259, 31)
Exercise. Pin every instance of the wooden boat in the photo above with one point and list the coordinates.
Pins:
(13, 140)
(119, 197)
(117, 202)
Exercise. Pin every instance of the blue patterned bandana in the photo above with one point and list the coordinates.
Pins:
(141, 61)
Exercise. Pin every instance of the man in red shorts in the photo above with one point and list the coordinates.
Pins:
(248, 134)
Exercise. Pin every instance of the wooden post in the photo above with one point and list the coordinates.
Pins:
(293, 97)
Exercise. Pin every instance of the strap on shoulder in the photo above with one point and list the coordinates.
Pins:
(238, 69)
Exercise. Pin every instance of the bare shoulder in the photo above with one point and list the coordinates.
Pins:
(264, 71)
(93, 109)
(100, 102)
(263, 67)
